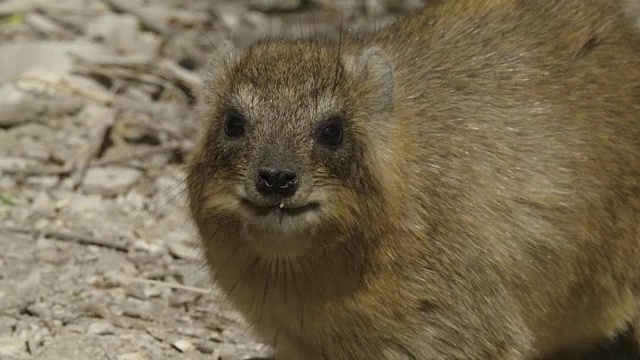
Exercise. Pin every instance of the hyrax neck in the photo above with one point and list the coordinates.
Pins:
(331, 272)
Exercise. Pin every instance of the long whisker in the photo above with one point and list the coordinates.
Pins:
(266, 287)
(244, 275)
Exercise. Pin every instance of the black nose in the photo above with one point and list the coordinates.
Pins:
(283, 182)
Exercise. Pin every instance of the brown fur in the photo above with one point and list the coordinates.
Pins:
(485, 203)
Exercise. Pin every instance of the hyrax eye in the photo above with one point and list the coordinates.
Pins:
(331, 131)
(234, 124)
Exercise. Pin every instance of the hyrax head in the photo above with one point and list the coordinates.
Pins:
(285, 162)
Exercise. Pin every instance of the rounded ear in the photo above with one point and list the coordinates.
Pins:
(224, 55)
(226, 52)
(373, 68)
(222, 58)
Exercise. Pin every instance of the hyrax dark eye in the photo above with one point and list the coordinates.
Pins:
(234, 124)
(331, 132)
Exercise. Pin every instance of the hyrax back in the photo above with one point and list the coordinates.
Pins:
(464, 184)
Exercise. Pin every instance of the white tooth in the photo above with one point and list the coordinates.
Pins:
(281, 205)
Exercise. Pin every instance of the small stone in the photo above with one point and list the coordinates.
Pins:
(153, 291)
(7, 183)
(75, 329)
(43, 206)
(135, 291)
(57, 324)
(16, 163)
(183, 345)
(12, 346)
(224, 351)
(137, 309)
(36, 309)
(14, 106)
(101, 328)
(148, 247)
(194, 332)
(275, 5)
(205, 347)
(132, 356)
(158, 333)
(6, 322)
(180, 299)
(44, 182)
(183, 250)
(110, 180)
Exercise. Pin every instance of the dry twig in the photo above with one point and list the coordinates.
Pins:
(169, 285)
(41, 170)
(98, 137)
(66, 236)
(140, 154)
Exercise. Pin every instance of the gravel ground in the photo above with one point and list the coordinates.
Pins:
(99, 260)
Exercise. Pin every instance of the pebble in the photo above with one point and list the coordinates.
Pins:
(205, 347)
(12, 346)
(43, 206)
(183, 345)
(148, 247)
(137, 309)
(135, 291)
(225, 351)
(16, 163)
(157, 333)
(75, 329)
(122, 36)
(182, 249)
(13, 106)
(101, 328)
(6, 322)
(44, 182)
(132, 356)
(180, 299)
(7, 183)
(36, 309)
(153, 291)
(275, 5)
(110, 180)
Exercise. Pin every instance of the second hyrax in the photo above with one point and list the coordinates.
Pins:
(463, 184)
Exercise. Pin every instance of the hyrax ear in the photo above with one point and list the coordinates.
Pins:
(374, 70)
(224, 55)
(226, 52)
(221, 60)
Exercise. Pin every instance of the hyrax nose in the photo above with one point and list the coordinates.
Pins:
(283, 182)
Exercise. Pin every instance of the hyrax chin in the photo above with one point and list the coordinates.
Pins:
(464, 184)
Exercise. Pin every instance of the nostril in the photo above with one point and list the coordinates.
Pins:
(267, 179)
(287, 182)
(268, 176)
(286, 178)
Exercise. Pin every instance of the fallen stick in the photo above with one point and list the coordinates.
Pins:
(66, 236)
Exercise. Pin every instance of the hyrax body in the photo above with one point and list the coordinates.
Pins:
(464, 184)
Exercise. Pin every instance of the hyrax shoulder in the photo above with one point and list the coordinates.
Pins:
(463, 184)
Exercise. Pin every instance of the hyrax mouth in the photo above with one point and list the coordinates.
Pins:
(279, 208)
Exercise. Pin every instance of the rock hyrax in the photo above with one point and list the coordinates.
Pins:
(463, 184)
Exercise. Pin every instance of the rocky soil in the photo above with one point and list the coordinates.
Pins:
(98, 259)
